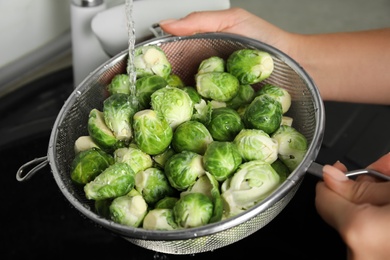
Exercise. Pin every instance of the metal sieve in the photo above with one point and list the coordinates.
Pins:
(185, 55)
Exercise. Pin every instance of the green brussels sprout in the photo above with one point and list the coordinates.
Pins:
(202, 112)
(221, 159)
(191, 136)
(245, 95)
(145, 87)
(160, 159)
(278, 93)
(292, 146)
(207, 184)
(84, 143)
(100, 133)
(153, 185)
(219, 86)
(159, 219)
(174, 104)
(193, 210)
(212, 64)
(151, 60)
(129, 209)
(116, 180)
(175, 81)
(252, 182)
(183, 169)
(135, 157)
(255, 144)
(166, 203)
(225, 124)
(281, 169)
(118, 111)
(119, 84)
(152, 133)
(102, 207)
(250, 66)
(88, 164)
(264, 113)
(194, 95)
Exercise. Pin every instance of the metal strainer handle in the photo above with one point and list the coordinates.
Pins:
(316, 170)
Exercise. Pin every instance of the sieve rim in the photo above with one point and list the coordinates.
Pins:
(139, 233)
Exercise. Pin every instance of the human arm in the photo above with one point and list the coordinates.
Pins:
(345, 66)
(359, 210)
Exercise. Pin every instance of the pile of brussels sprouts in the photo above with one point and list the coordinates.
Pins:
(162, 155)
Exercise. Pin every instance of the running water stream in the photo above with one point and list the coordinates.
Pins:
(131, 41)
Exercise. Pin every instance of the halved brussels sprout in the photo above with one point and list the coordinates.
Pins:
(255, 144)
(250, 66)
(151, 60)
(116, 180)
(221, 159)
(278, 93)
(174, 104)
(193, 210)
(183, 169)
(84, 143)
(135, 157)
(264, 113)
(152, 133)
(88, 164)
(219, 86)
(225, 124)
(191, 136)
(153, 185)
(159, 219)
(145, 87)
(252, 182)
(119, 84)
(292, 146)
(129, 209)
(212, 64)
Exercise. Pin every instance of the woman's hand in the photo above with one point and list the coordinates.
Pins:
(359, 210)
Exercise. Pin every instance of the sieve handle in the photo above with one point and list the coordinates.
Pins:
(39, 162)
(316, 170)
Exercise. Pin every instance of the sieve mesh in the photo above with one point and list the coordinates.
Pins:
(185, 55)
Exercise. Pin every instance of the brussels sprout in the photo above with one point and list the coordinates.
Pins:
(159, 219)
(129, 209)
(193, 210)
(116, 180)
(175, 81)
(119, 84)
(160, 159)
(118, 111)
(255, 144)
(102, 207)
(166, 203)
(151, 60)
(153, 185)
(264, 113)
(202, 112)
(250, 66)
(84, 143)
(145, 86)
(225, 124)
(221, 159)
(183, 169)
(194, 95)
(281, 169)
(219, 86)
(245, 95)
(135, 157)
(212, 64)
(100, 133)
(292, 146)
(286, 120)
(278, 93)
(191, 136)
(252, 182)
(152, 133)
(88, 164)
(174, 104)
(217, 104)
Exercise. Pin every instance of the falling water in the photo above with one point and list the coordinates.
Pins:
(131, 37)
